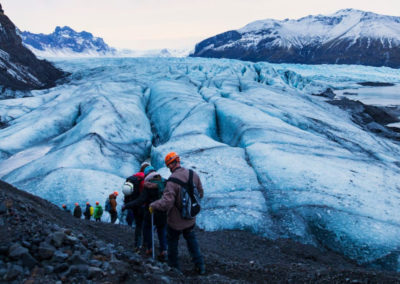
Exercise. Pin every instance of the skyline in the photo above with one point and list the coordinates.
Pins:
(156, 24)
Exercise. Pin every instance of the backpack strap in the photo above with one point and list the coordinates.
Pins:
(177, 181)
(188, 185)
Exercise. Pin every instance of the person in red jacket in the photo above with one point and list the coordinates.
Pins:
(171, 202)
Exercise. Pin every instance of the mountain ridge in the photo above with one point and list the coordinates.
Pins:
(20, 69)
(66, 40)
(348, 36)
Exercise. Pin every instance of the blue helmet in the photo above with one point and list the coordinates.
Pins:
(148, 169)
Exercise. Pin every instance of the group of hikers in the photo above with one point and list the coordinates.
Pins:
(169, 206)
(96, 212)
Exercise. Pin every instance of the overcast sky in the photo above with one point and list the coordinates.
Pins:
(154, 24)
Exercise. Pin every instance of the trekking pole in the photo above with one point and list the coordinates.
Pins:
(152, 236)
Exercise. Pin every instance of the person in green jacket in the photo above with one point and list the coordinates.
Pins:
(98, 211)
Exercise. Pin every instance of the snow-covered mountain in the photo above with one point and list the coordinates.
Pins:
(19, 68)
(164, 52)
(346, 37)
(65, 42)
(273, 159)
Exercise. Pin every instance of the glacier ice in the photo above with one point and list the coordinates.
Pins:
(273, 159)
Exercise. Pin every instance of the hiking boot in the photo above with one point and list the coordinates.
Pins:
(201, 269)
(162, 256)
(149, 252)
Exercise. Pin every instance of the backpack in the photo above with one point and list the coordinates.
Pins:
(190, 197)
(160, 185)
(91, 210)
(135, 181)
(107, 206)
(100, 211)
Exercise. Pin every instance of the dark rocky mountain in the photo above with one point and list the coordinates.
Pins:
(66, 41)
(346, 37)
(40, 243)
(19, 67)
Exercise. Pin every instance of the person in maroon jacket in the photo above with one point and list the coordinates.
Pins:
(172, 203)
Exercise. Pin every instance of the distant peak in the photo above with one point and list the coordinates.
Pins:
(62, 29)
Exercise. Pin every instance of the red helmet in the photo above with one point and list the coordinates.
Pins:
(87, 203)
(171, 157)
(64, 206)
(116, 193)
(76, 204)
(97, 203)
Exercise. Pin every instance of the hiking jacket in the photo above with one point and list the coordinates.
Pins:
(87, 211)
(172, 203)
(78, 212)
(98, 211)
(149, 193)
(113, 202)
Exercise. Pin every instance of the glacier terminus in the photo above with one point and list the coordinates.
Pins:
(274, 159)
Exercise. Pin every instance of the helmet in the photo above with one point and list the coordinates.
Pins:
(97, 203)
(116, 193)
(76, 204)
(171, 157)
(87, 203)
(148, 169)
(64, 206)
(127, 188)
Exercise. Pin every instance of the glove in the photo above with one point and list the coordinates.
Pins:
(151, 210)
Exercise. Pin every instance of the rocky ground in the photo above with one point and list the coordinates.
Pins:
(39, 243)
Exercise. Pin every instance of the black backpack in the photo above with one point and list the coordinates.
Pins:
(190, 197)
(136, 186)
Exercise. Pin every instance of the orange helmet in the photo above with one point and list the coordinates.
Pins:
(116, 193)
(97, 203)
(171, 157)
(63, 206)
(76, 204)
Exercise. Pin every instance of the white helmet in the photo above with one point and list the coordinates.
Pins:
(127, 188)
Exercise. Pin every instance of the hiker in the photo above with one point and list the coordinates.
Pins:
(132, 189)
(77, 211)
(143, 166)
(88, 211)
(66, 209)
(111, 206)
(153, 188)
(98, 212)
(171, 202)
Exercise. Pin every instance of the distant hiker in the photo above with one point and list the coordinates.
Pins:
(88, 211)
(111, 206)
(98, 212)
(77, 211)
(153, 188)
(133, 187)
(178, 185)
(66, 209)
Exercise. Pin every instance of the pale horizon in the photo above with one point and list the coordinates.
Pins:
(176, 24)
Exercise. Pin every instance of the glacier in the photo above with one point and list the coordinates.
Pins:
(274, 159)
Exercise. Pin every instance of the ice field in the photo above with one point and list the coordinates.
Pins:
(273, 159)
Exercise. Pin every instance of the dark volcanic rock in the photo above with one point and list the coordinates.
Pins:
(371, 118)
(109, 257)
(20, 69)
(376, 84)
